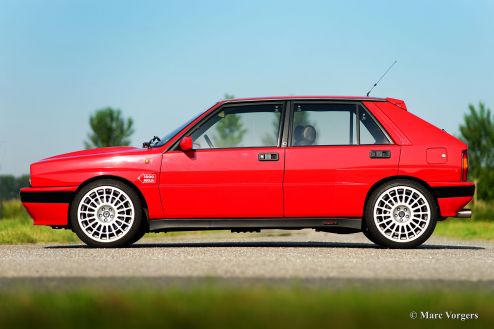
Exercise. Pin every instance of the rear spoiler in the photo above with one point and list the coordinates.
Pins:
(397, 102)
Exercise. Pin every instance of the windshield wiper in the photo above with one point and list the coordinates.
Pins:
(151, 142)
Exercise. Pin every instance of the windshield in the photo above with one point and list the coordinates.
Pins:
(171, 134)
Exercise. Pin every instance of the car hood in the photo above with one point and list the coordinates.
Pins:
(116, 150)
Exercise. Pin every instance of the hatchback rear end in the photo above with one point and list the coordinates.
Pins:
(431, 183)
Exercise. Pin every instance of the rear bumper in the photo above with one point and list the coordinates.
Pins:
(48, 205)
(452, 197)
(455, 191)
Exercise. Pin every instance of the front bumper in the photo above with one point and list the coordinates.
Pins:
(48, 205)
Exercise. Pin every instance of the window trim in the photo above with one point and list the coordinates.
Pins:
(379, 125)
(291, 111)
(283, 112)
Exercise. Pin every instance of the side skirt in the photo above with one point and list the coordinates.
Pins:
(336, 225)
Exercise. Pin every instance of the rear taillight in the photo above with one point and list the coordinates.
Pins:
(464, 166)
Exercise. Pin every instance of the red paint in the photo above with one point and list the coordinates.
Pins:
(221, 184)
(450, 206)
(306, 181)
(53, 214)
(323, 181)
(437, 155)
(186, 143)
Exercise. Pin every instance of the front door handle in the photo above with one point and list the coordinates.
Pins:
(268, 157)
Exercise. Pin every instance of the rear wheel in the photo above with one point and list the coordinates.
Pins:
(400, 214)
(107, 213)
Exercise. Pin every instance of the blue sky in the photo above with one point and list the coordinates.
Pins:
(162, 62)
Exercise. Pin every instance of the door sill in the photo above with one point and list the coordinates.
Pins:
(345, 225)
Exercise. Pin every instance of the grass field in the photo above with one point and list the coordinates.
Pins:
(22, 230)
(466, 229)
(211, 306)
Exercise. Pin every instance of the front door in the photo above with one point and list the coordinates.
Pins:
(235, 169)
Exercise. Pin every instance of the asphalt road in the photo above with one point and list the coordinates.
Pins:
(274, 255)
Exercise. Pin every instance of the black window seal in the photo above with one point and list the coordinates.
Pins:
(357, 122)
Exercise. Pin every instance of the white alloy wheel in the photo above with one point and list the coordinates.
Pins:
(402, 213)
(105, 214)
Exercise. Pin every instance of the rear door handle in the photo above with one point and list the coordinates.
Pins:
(268, 157)
(380, 154)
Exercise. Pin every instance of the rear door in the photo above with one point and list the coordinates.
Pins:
(336, 152)
(235, 169)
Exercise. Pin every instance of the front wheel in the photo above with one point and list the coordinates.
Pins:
(401, 214)
(107, 213)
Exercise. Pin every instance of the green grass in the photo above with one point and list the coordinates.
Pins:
(483, 210)
(22, 230)
(466, 229)
(241, 307)
(12, 209)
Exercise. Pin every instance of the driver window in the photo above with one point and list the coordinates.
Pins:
(240, 126)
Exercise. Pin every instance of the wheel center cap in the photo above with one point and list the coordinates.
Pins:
(105, 214)
(401, 213)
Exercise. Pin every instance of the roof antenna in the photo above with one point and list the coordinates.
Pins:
(382, 76)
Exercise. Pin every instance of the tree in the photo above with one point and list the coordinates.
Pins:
(229, 130)
(109, 128)
(478, 132)
(10, 186)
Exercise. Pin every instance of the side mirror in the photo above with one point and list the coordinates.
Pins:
(186, 143)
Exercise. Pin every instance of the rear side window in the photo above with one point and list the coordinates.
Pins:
(334, 124)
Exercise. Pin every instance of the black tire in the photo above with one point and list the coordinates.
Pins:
(127, 234)
(143, 230)
(367, 234)
(424, 227)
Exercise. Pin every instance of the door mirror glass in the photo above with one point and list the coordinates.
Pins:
(186, 143)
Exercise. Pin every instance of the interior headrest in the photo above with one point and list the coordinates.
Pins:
(309, 134)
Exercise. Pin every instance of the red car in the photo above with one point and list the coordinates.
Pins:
(334, 164)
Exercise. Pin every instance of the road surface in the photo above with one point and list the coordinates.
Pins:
(271, 255)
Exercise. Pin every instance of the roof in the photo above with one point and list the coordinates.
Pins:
(345, 98)
(397, 102)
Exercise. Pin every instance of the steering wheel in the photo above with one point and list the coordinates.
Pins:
(208, 140)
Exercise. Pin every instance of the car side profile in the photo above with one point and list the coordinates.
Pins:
(333, 164)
